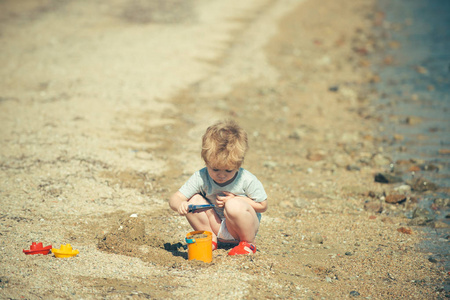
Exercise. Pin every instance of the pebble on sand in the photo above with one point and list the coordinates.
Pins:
(354, 294)
(393, 199)
(387, 178)
(444, 151)
(381, 160)
(421, 70)
(420, 217)
(403, 188)
(411, 120)
(373, 206)
(423, 185)
(316, 155)
(439, 225)
(405, 230)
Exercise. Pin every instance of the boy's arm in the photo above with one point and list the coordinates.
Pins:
(178, 202)
(259, 207)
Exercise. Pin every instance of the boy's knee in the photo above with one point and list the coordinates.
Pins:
(235, 207)
(197, 199)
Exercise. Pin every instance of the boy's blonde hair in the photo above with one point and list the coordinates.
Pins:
(224, 145)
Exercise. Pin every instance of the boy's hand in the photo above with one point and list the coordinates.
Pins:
(221, 200)
(183, 208)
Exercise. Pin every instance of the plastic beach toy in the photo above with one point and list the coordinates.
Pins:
(37, 249)
(201, 207)
(65, 251)
(199, 248)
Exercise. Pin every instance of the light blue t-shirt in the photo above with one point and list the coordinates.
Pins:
(245, 184)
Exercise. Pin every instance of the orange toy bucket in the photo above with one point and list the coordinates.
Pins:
(199, 245)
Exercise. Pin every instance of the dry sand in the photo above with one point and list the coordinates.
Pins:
(102, 108)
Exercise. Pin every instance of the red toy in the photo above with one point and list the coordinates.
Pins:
(38, 249)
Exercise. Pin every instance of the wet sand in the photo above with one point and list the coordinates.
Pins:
(102, 112)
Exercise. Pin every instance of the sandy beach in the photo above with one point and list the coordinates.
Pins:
(102, 109)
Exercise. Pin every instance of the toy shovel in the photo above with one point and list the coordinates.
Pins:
(202, 207)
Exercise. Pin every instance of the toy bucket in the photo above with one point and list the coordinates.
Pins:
(199, 248)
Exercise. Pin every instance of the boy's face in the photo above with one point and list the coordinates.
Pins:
(221, 176)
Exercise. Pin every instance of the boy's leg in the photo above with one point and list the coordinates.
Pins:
(241, 219)
(204, 220)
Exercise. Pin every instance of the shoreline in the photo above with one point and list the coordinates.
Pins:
(312, 144)
(413, 123)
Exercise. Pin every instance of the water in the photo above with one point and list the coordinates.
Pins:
(417, 85)
(414, 100)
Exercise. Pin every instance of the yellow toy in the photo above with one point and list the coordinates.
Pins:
(65, 251)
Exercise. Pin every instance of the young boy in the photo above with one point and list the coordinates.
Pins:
(238, 196)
